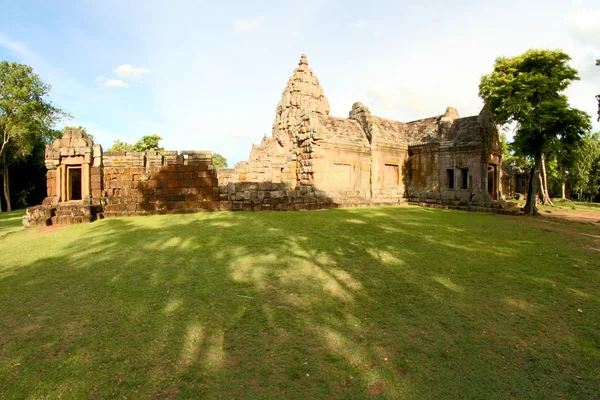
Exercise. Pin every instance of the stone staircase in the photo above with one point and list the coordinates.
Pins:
(74, 214)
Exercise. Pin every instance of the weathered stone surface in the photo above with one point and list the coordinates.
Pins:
(311, 161)
(303, 93)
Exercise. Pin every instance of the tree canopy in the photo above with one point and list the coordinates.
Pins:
(119, 145)
(527, 90)
(219, 161)
(26, 116)
(584, 169)
(598, 96)
(149, 142)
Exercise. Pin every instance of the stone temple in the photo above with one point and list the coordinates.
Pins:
(366, 159)
(311, 161)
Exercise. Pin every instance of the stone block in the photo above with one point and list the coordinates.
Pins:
(225, 205)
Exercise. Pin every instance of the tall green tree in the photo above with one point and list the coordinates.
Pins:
(527, 90)
(219, 161)
(119, 145)
(28, 174)
(26, 115)
(598, 96)
(148, 142)
(583, 176)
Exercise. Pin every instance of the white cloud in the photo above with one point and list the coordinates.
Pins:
(584, 19)
(20, 49)
(248, 24)
(360, 24)
(108, 82)
(584, 25)
(128, 71)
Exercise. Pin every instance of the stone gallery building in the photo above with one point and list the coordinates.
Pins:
(366, 159)
(312, 160)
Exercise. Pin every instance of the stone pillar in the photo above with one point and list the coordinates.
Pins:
(64, 182)
(85, 181)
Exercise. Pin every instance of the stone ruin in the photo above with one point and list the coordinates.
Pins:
(364, 159)
(311, 161)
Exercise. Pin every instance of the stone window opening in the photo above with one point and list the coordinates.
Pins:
(450, 173)
(464, 178)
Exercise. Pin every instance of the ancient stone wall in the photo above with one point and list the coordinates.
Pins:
(267, 196)
(158, 183)
(420, 171)
(447, 175)
(514, 182)
(389, 150)
(125, 184)
(312, 160)
(51, 183)
(226, 175)
(334, 156)
(387, 164)
(158, 190)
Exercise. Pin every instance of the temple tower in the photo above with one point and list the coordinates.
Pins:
(302, 92)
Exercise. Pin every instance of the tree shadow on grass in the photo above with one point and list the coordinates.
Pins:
(10, 222)
(392, 301)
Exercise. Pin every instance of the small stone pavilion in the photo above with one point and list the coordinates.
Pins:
(311, 161)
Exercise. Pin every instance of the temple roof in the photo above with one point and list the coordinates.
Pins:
(464, 130)
(341, 130)
(403, 133)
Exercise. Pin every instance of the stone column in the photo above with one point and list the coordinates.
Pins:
(85, 180)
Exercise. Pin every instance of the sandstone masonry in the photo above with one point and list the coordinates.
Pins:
(311, 161)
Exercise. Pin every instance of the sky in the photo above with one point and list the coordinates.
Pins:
(207, 75)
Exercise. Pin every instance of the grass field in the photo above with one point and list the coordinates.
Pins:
(397, 302)
(564, 205)
(11, 222)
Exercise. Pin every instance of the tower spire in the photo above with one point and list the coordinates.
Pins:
(303, 60)
(302, 92)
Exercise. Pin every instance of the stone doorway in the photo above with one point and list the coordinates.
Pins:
(493, 181)
(74, 183)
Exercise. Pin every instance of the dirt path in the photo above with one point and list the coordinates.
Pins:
(580, 216)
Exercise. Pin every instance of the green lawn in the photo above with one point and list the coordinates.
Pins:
(11, 222)
(560, 204)
(564, 205)
(395, 302)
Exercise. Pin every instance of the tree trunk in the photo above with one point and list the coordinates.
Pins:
(532, 190)
(5, 181)
(545, 196)
(564, 190)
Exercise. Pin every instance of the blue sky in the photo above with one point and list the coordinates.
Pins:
(208, 75)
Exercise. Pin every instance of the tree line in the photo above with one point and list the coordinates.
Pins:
(552, 140)
(528, 91)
